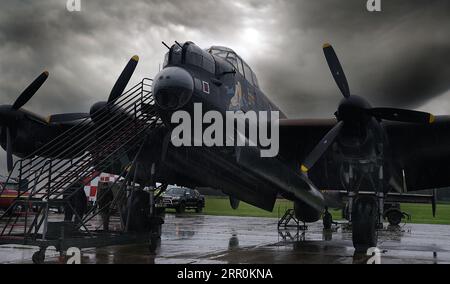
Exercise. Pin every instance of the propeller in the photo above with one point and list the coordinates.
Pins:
(29, 92)
(123, 79)
(116, 92)
(64, 117)
(9, 113)
(320, 149)
(117, 89)
(355, 109)
(336, 69)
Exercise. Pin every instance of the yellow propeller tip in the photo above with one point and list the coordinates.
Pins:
(135, 58)
(304, 169)
(326, 45)
(432, 118)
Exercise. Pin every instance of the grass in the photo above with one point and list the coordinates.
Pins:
(420, 213)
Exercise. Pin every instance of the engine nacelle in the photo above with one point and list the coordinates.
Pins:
(306, 213)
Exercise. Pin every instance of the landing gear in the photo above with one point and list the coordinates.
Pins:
(137, 212)
(142, 216)
(364, 223)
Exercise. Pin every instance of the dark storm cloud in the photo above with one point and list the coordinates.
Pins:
(399, 57)
(86, 51)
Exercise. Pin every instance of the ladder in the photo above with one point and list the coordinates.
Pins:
(285, 221)
(109, 143)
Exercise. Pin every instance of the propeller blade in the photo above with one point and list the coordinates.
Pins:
(123, 79)
(29, 92)
(336, 69)
(403, 115)
(66, 117)
(9, 157)
(320, 149)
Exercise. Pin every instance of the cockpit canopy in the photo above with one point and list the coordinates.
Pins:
(239, 64)
(190, 54)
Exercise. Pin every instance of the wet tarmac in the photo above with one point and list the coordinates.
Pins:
(199, 239)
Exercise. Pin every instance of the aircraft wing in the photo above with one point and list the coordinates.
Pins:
(420, 153)
(299, 136)
(302, 135)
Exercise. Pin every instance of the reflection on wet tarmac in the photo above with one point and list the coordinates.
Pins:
(195, 238)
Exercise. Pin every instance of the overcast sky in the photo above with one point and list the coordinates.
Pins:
(399, 57)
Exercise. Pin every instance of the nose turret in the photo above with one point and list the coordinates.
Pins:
(173, 88)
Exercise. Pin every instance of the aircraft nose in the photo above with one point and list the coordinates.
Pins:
(173, 88)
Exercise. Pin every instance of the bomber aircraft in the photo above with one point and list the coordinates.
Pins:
(364, 152)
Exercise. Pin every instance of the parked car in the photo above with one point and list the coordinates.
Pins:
(9, 193)
(181, 199)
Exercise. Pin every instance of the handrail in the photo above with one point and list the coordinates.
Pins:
(77, 128)
(88, 145)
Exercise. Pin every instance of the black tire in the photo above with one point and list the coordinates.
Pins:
(199, 208)
(364, 223)
(394, 217)
(181, 208)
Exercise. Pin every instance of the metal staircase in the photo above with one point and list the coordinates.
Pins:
(108, 141)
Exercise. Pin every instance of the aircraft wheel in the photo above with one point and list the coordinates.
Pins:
(364, 223)
(394, 217)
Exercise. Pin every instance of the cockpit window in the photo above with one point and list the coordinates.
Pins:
(248, 73)
(240, 66)
(221, 53)
(231, 57)
(255, 80)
